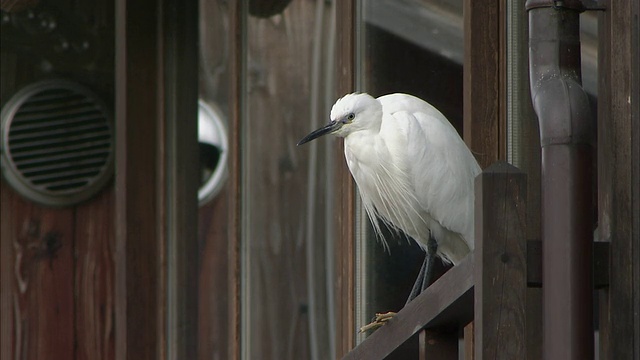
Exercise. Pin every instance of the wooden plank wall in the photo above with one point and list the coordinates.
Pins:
(57, 265)
(220, 74)
(284, 187)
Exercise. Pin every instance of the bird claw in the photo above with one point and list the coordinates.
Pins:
(379, 320)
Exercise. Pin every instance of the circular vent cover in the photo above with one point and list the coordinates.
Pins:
(57, 143)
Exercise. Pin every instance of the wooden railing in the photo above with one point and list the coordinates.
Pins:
(493, 294)
(489, 287)
(448, 301)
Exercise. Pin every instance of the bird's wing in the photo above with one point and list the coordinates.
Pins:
(441, 167)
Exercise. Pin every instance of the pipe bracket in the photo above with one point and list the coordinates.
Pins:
(577, 5)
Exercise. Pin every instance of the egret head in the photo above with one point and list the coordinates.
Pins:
(352, 112)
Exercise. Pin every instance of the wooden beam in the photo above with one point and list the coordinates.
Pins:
(619, 177)
(501, 276)
(345, 195)
(139, 239)
(484, 119)
(447, 302)
(179, 151)
(237, 93)
(484, 76)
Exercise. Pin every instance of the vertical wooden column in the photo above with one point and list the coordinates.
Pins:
(484, 101)
(500, 268)
(180, 158)
(140, 251)
(619, 176)
(156, 180)
(237, 91)
(483, 74)
(344, 187)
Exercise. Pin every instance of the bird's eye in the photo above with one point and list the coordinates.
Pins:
(348, 119)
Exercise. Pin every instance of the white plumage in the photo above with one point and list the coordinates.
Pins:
(411, 167)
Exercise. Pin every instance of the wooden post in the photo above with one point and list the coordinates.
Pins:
(345, 194)
(484, 119)
(469, 341)
(619, 177)
(435, 344)
(139, 245)
(181, 174)
(156, 180)
(500, 273)
(237, 91)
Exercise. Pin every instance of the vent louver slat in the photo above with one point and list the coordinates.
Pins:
(57, 143)
(34, 172)
(27, 153)
(28, 162)
(52, 122)
(63, 106)
(54, 143)
(58, 132)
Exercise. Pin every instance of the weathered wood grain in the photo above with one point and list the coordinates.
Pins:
(94, 278)
(37, 311)
(484, 123)
(213, 332)
(237, 103)
(216, 293)
(344, 187)
(284, 187)
(56, 279)
(618, 177)
(501, 276)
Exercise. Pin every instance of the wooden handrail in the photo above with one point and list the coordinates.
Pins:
(448, 301)
(495, 274)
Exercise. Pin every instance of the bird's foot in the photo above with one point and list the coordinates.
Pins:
(379, 320)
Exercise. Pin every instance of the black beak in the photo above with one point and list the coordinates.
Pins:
(331, 127)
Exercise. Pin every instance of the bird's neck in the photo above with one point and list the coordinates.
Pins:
(362, 145)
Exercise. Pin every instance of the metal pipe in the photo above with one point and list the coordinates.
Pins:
(566, 136)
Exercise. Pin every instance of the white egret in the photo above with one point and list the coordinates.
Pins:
(413, 171)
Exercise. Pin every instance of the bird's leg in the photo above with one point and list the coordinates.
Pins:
(422, 282)
(432, 249)
(417, 286)
(426, 271)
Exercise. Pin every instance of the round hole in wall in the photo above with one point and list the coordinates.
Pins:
(56, 143)
(212, 139)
